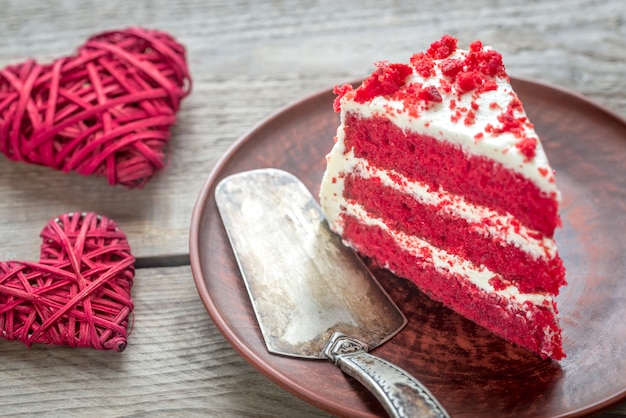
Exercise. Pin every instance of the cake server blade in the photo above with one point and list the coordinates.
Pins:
(312, 296)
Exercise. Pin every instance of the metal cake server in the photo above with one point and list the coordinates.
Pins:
(312, 296)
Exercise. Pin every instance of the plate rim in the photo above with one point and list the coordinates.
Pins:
(231, 336)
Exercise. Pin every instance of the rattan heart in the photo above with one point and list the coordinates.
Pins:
(78, 294)
(105, 111)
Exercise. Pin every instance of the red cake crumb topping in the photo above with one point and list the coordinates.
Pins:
(415, 92)
(511, 123)
(468, 81)
(474, 72)
(527, 147)
(470, 118)
(430, 94)
(340, 91)
(386, 80)
(424, 64)
(451, 67)
(487, 62)
(443, 48)
(515, 125)
(488, 85)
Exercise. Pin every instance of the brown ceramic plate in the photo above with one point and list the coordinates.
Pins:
(472, 372)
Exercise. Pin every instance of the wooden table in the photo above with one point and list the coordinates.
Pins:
(247, 60)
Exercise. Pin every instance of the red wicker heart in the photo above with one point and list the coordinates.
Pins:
(105, 111)
(78, 294)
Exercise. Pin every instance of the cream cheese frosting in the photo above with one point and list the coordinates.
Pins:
(479, 276)
(501, 227)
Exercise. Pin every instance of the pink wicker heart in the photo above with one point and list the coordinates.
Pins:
(105, 111)
(78, 294)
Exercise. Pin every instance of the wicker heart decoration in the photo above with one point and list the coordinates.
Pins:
(105, 111)
(78, 294)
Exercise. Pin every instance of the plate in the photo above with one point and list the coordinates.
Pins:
(472, 372)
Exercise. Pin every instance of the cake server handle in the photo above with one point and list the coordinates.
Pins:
(401, 394)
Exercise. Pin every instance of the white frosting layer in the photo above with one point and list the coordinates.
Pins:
(483, 220)
(449, 263)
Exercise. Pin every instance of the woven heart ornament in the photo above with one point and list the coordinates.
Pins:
(105, 111)
(78, 294)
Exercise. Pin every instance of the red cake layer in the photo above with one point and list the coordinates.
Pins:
(524, 327)
(403, 213)
(479, 180)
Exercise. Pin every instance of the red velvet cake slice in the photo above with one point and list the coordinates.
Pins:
(438, 175)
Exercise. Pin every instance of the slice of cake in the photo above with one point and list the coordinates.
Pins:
(438, 175)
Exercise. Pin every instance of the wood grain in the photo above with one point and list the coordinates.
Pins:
(247, 59)
(176, 363)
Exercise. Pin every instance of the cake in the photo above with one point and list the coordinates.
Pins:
(437, 175)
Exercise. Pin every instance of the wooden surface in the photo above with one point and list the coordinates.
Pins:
(247, 60)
